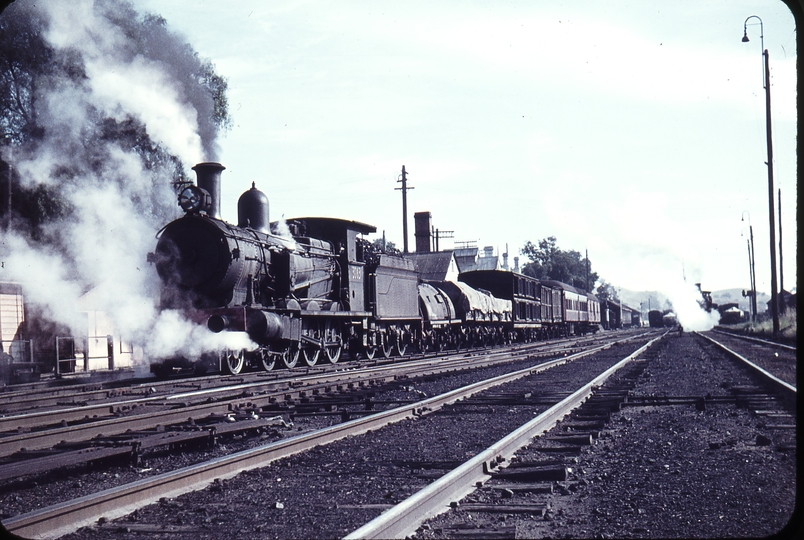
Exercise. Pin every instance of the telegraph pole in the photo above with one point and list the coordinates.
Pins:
(6, 211)
(772, 219)
(404, 189)
(437, 235)
(782, 305)
(587, 271)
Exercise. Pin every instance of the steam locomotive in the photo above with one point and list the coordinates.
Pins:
(316, 288)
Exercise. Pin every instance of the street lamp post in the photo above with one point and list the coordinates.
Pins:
(769, 163)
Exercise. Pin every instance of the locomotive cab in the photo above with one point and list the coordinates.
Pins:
(343, 235)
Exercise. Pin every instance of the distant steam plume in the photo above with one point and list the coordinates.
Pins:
(686, 300)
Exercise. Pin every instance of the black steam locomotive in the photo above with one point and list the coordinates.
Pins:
(320, 289)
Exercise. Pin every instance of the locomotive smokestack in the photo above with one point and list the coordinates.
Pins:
(209, 178)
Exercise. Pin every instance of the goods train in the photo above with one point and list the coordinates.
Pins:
(313, 288)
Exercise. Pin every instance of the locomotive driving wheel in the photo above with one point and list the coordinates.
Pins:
(400, 346)
(333, 345)
(387, 345)
(311, 354)
(289, 356)
(234, 361)
(267, 358)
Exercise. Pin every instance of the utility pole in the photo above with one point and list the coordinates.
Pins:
(587, 271)
(437, 235)
(782, 304)
(6, 211)
(404, 189)
(750, 283)
(771, 217)
(769, 163)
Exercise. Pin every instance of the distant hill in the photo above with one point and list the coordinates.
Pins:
(645, 300)
(726, 296)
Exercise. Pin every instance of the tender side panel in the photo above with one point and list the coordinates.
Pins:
(395, 289)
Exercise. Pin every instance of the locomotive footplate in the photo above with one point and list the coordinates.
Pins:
(335, 314)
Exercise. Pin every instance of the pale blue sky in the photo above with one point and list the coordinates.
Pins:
(635, 130)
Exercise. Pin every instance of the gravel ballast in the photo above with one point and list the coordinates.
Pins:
(668, 471)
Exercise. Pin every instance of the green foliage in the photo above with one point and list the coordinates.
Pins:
(30, 68)
(605, 291)
(384, 246)
(548, 261)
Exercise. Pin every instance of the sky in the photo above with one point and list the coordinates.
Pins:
(633, 130)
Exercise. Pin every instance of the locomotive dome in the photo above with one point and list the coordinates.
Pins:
(252, 210)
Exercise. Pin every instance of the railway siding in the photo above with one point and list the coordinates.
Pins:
(779, 360)
(693, 452)
(307, 491)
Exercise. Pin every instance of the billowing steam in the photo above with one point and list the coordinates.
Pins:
(686, 299)
(113, 201)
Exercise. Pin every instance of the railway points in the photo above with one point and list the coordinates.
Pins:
(723, 412)
(562, 359)
(665, 464)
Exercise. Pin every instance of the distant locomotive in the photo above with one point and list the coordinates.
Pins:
(321, 289)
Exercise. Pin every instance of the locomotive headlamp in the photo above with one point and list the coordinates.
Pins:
(194, 199)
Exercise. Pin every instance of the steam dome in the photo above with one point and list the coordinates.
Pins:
(252, 210)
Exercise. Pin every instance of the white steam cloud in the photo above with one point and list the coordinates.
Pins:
(685, 298)
(123, 85)
(96, 254)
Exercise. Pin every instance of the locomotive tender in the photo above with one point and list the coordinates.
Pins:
(320, 289)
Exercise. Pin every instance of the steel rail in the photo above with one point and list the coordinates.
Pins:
(787, 389)
(60, 519)
(106, 409)
(403, 519)
(269, 389)
(757, 340)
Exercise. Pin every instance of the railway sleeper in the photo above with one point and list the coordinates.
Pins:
(554, 473)
(62, 460)
(581, 425)
(533, 509)
(492, 532)
(569, 450)
(581, 439)
(533, 487)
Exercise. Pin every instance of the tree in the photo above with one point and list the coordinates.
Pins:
(605, 291)
(385, 246)
(33, 70)
(548, 261)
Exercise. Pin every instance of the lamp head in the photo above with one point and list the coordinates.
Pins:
(745, 37)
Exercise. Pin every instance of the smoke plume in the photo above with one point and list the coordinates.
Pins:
(686, 299)
(121, 77)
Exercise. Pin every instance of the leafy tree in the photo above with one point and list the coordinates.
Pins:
(31, 67)
(605, 291)
(388, 247)
(548, 261)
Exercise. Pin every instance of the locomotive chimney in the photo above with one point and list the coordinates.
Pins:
(422, 222)
(209, 178)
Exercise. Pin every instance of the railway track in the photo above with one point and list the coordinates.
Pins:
(112, 503)
(776, 359)
(42, 430)
(714, 459)
(403, 519)
(66, 393)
